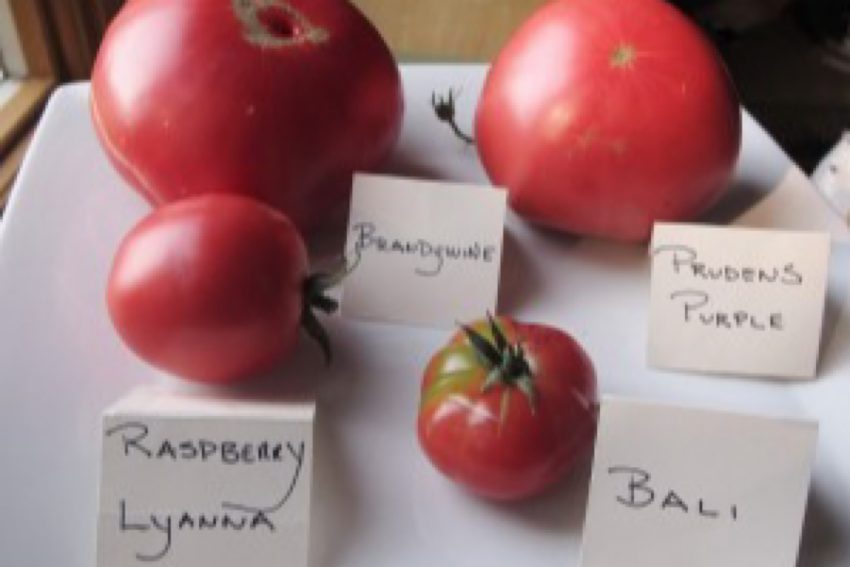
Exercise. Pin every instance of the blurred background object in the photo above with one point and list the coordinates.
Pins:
(790, 58)
(43, 43)
(447, 30)
(791, 62)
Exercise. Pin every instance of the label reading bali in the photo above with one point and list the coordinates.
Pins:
(738, 301)
(675, 486)
(221, 486)
(426, 253)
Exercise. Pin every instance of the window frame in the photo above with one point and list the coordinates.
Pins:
(19, 112)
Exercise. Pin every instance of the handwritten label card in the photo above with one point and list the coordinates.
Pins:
(429, 252)
(673, 486)
(739, 301)
(189, 481)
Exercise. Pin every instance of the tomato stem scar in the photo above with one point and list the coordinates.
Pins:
(623, 56)
(276, 23)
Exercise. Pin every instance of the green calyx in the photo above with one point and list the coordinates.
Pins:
(314, 294)
(507, 363)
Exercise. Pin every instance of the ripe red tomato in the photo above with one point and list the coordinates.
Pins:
(603, 116)
(507, 408)
(211, 288)
(277, 99)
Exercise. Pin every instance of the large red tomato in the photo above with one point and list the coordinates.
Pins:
(603, 116)
(278, 99)
(212, 288)
(508, 408)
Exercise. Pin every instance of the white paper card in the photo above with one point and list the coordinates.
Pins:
(673, 486)
(739, 301)
(429, 252)
(191, 481)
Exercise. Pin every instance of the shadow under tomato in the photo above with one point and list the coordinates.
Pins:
(559, 510)
(406, 164)
(519, 280)
(327, 246)
(741, 197)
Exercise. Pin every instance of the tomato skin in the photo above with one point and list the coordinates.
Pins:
(186, 103)
(493, 442)
(210, 288)
(603, 116)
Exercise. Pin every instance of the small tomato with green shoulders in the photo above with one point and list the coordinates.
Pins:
(508, 408)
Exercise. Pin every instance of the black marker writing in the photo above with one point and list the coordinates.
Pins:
(434, 254)
(136, 443)
(684, 259)
(298, 455)
(695, 309)
(245, 519)
(638, 493)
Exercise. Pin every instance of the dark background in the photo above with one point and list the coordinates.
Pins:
(791, 63)
(790, 59)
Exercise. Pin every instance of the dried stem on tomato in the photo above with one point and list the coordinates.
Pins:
(444, 108)
(314, 294)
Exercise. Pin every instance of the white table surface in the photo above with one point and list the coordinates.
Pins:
(376, 500)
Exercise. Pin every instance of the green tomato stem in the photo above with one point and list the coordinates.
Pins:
(507, 363)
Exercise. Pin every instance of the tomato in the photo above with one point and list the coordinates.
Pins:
(604, 116)
(212, 288)
(280, 100)
(507, 408)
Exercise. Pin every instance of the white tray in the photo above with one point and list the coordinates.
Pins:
(376, 500)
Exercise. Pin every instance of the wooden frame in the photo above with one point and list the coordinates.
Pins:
(10, 165)
(77, 28)
(59, 41)
(19, 113)
(446, 30)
